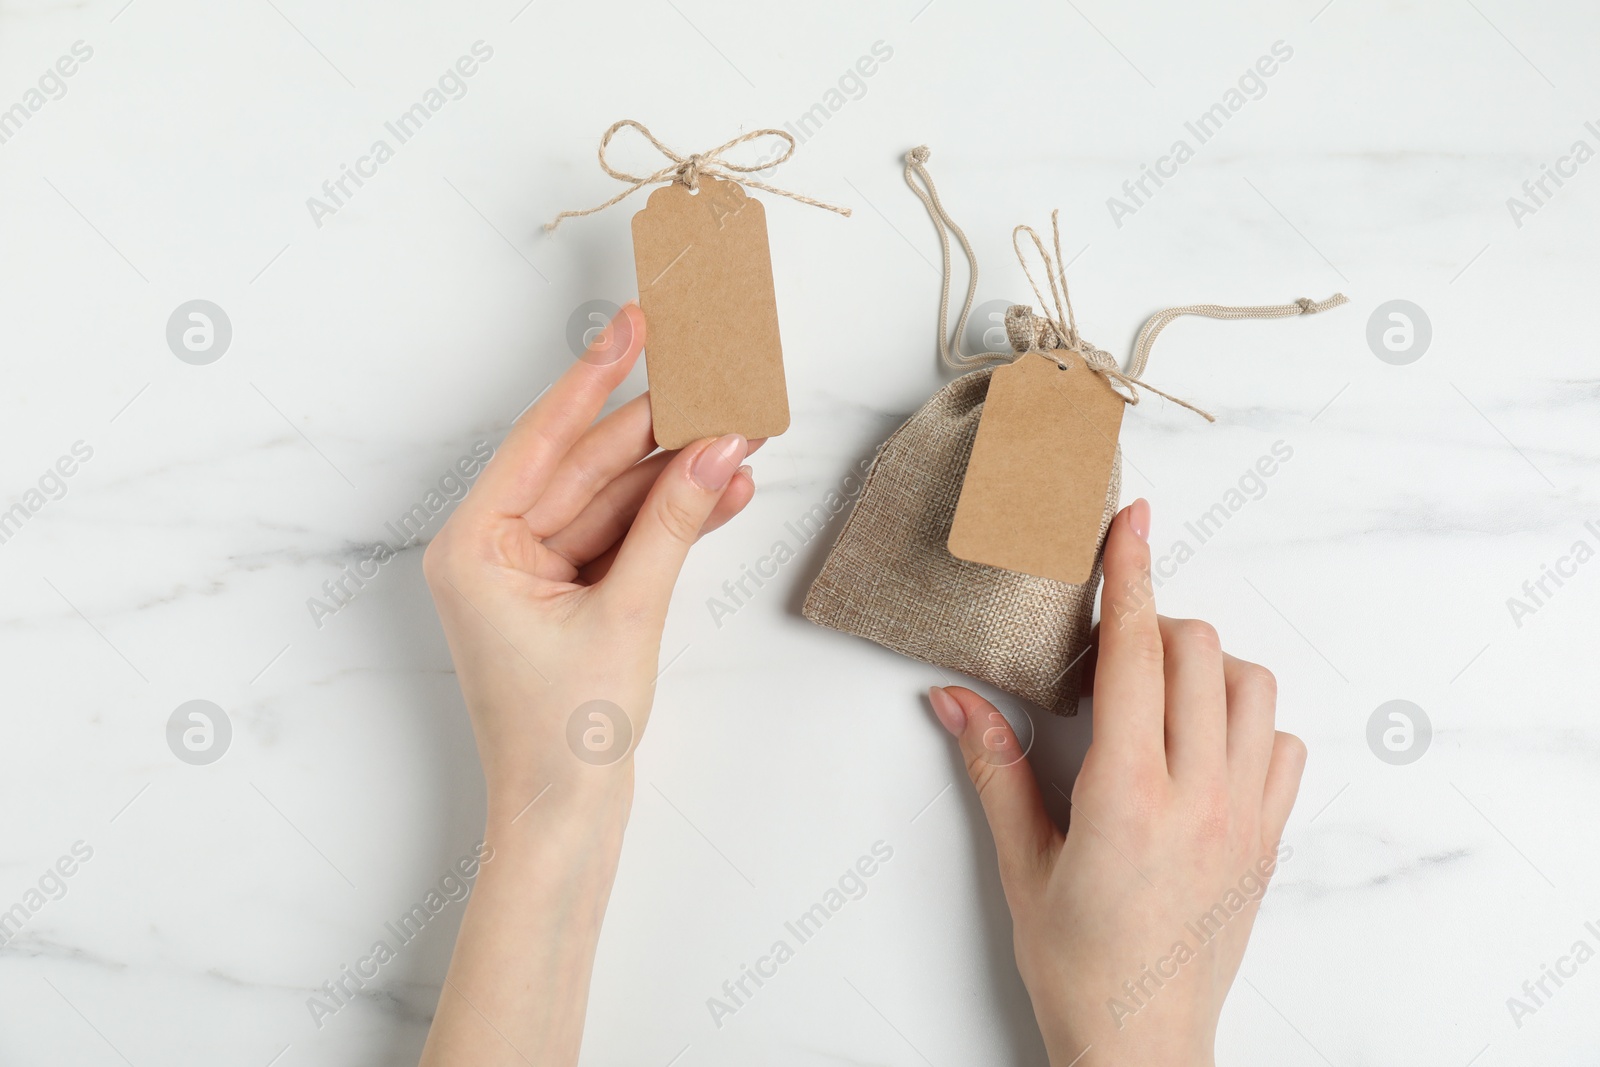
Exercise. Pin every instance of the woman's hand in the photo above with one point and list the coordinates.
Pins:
(552, 577)
(552, 580)
(1130, 927)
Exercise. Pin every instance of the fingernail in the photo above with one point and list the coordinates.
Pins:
(951, 717)
(746, 471)
(1139, 519)
(717, 461)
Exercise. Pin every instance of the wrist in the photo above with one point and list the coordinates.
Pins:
(582, 811)
(1111, 1048)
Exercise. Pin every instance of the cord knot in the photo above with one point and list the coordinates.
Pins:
(688, 172)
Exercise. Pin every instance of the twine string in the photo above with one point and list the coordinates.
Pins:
(687, 170)
(1065, 326)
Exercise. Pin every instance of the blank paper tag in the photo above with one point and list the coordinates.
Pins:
(1035, 488)
(705, 287)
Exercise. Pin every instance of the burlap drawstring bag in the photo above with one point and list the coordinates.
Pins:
(890, 577)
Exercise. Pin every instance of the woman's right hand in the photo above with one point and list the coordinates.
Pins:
(1130, 927)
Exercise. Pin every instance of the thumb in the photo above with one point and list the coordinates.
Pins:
(1026, 840)
(670, 520)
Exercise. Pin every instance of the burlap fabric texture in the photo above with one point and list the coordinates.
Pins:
(891, 579)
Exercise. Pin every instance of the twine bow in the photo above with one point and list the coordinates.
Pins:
(1031, 332)
(687, 170)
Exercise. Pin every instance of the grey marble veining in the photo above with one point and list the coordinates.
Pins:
(374, 345)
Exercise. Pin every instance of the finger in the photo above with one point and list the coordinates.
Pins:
(514, 479)
(669, 521)
(1091, 657)
(1287, 764)
(605, 520)
(1252, 705)
(1026, 840)
(606, 450)
(1129, 715)
(602, 524)
(1196, 699)
(741, 489)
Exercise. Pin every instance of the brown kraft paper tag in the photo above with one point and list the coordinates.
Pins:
(705, 287)
(1035, 487)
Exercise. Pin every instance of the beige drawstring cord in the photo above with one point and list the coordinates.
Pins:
(1041, 332)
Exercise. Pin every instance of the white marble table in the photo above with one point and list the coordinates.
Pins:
(378, 338)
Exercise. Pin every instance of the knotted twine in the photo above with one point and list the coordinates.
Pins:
(687, 170)
(890, 577)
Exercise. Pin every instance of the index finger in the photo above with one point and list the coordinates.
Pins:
(517, 475)
(1129, 688)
